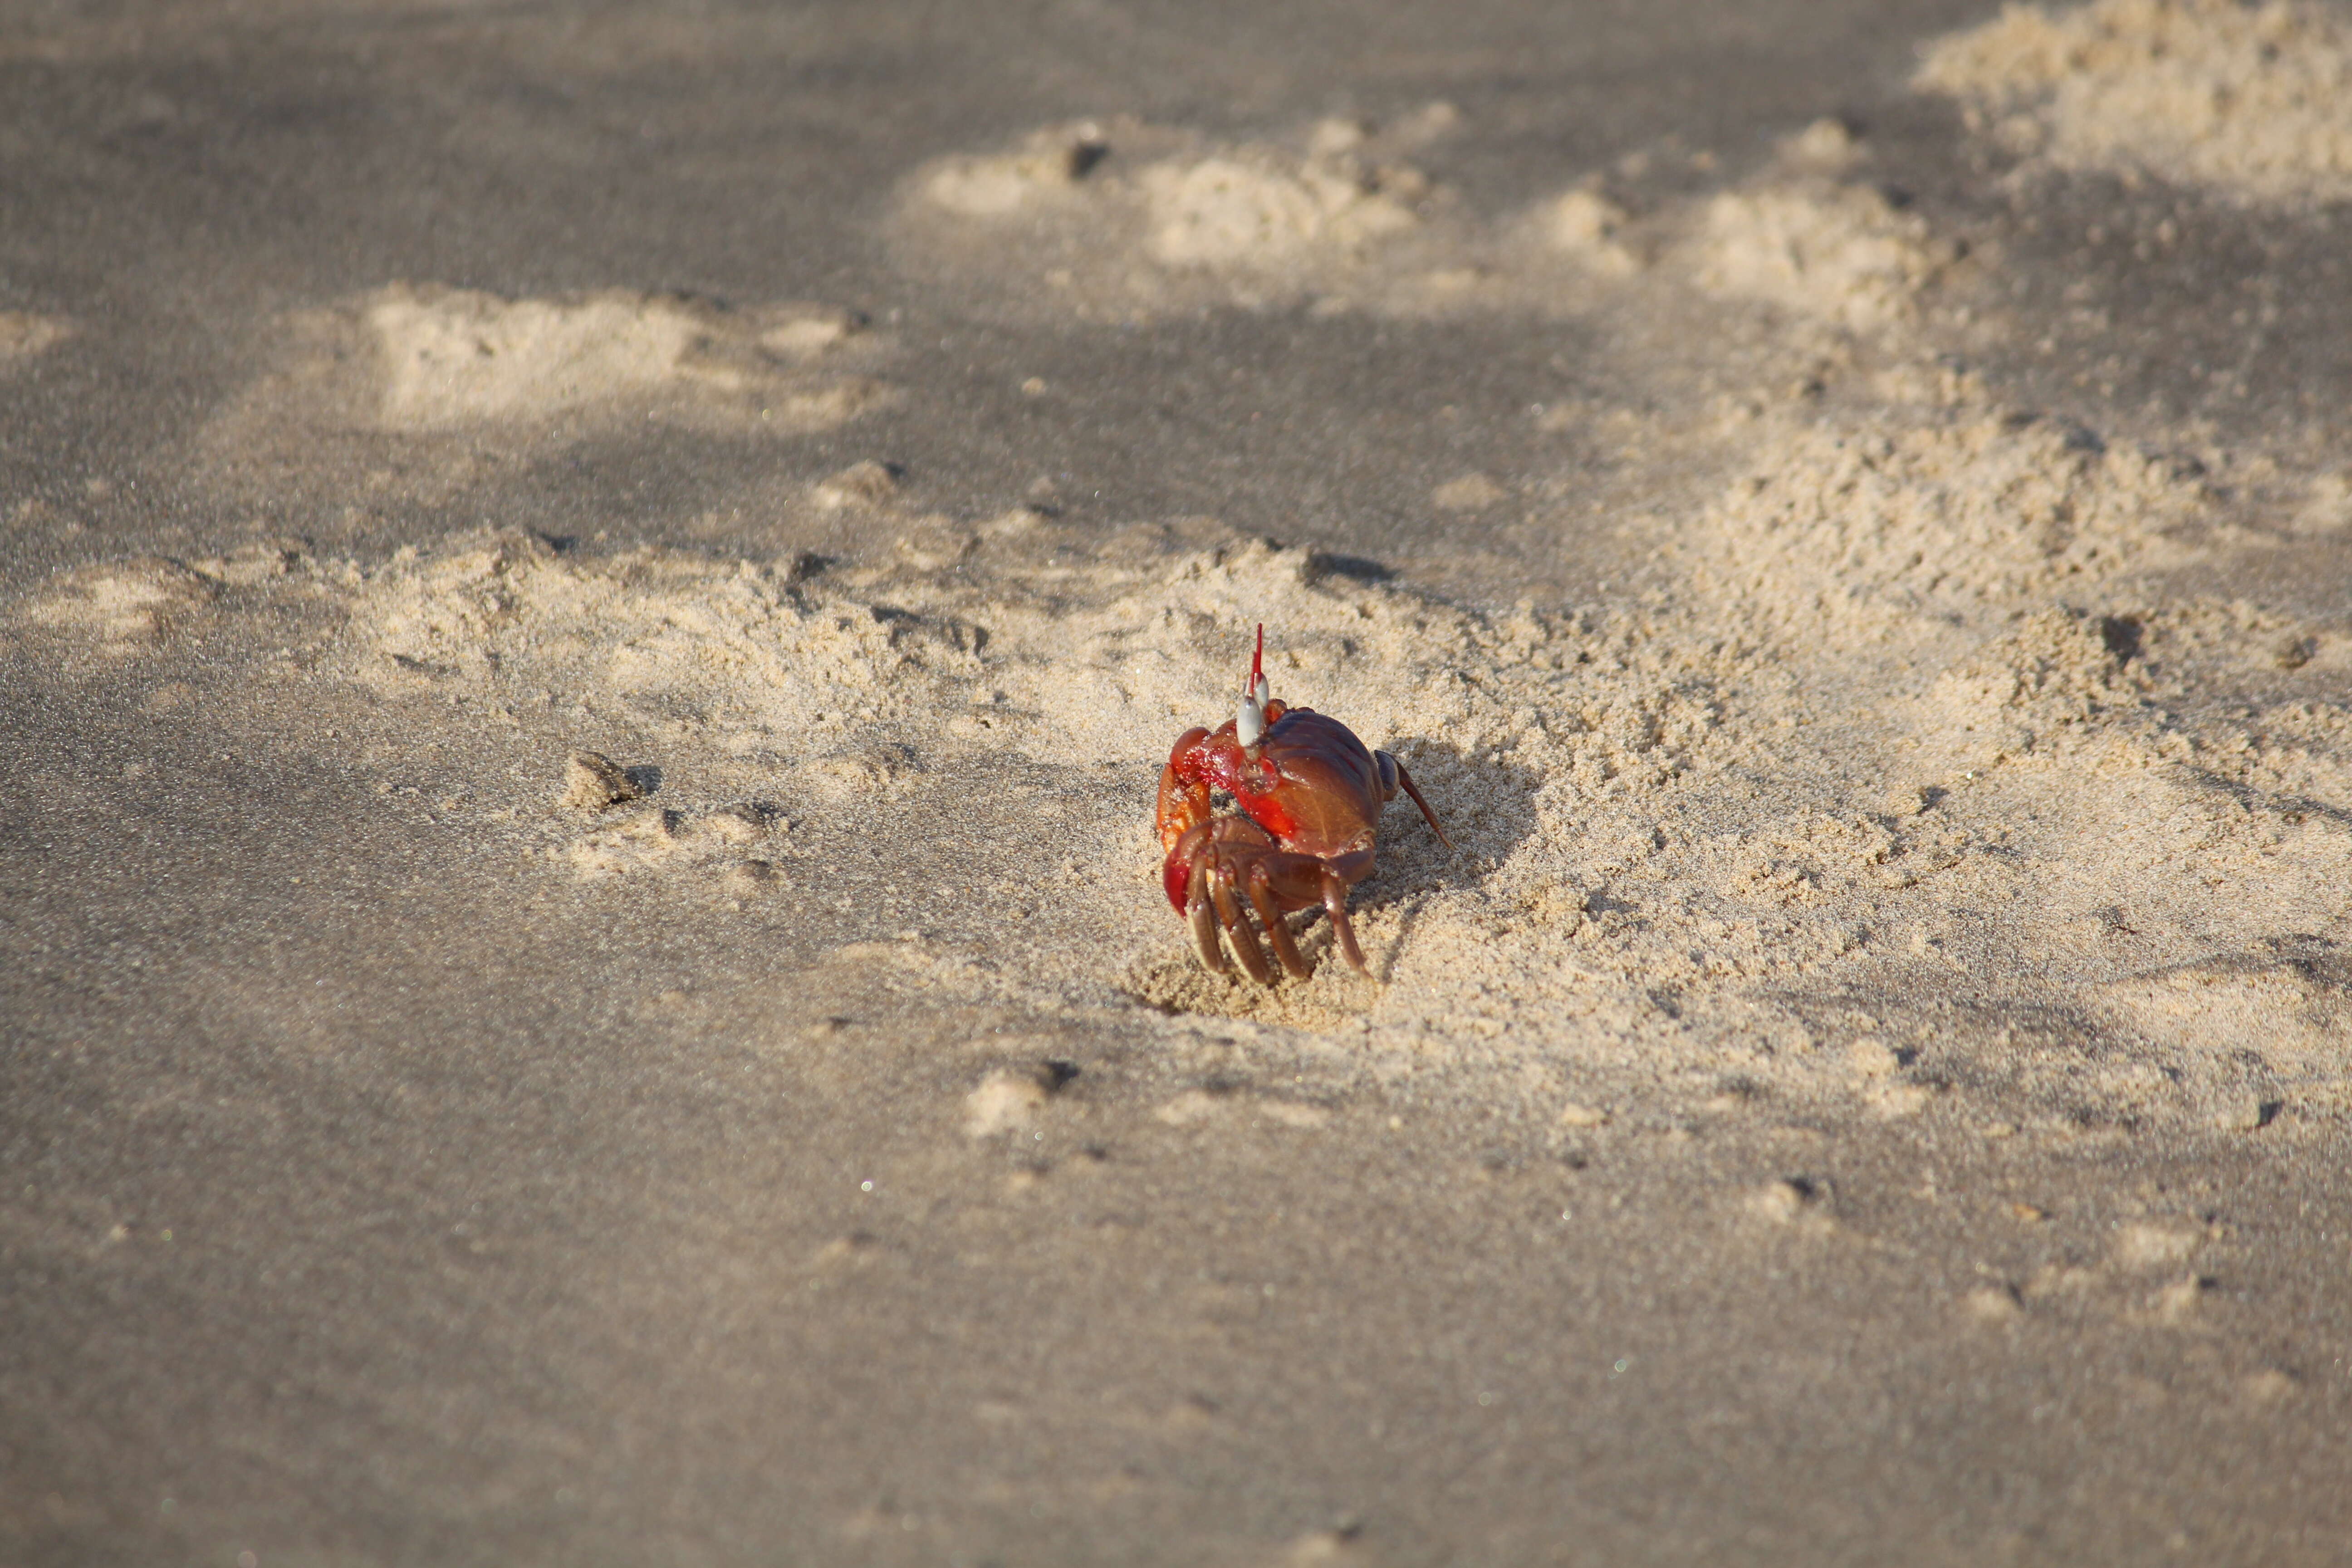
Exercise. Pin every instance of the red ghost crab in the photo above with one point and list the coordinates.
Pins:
(1309, 795)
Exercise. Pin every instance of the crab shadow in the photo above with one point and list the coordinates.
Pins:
(1486, 806)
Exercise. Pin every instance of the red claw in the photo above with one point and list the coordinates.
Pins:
(1176, 875)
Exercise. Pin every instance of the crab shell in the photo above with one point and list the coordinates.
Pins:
(1309, 783)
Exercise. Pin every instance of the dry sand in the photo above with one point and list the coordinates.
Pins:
(2246, 101)
(588, 974)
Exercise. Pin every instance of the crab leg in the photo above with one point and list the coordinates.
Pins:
(1201, 917)
(1278, 930)
(1229, 915)
(1335, 904)
(1404, 782)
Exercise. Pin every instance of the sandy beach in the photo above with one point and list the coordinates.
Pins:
(593, 598)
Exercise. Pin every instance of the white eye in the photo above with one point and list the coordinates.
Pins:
(1262, 691)
(1249, 723)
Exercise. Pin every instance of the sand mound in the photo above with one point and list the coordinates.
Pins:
(417, 393)
(1106, 666)
(1854, 533)
(1119, 219)
(1122, 220)
(1839, 253)
(1589, 228)
(422, 391)
(1807, 239)
(782, 664)
(840, 692)
(2248, 99)
(453, 357)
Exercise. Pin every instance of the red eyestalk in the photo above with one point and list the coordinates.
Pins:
(1257, 662)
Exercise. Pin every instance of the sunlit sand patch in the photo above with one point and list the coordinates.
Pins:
(1587, 226)
(1811, 237)
(421, 392)
(747, 839)
(115, 608)
(2249, 100)
(1913, 716)
(2246, 1036)
(1673, 824)
(1335, 997)
(1836, 252)
(1940, 521)
(453, 357)
(24, 335)
(1117, 218)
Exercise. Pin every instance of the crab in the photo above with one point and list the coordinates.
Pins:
(1309, 795)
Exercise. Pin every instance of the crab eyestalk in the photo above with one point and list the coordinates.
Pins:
(1249, 720)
